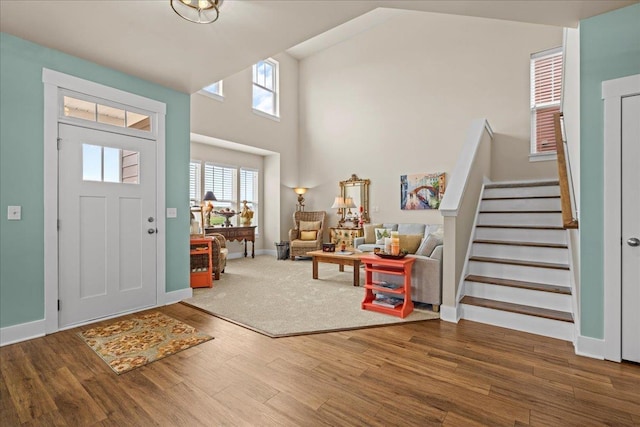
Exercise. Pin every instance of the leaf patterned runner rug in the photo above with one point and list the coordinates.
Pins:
(128, 344)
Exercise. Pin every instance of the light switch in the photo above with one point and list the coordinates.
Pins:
(14, 213)
(172, 212)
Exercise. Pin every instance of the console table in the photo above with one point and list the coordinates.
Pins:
(246, 234)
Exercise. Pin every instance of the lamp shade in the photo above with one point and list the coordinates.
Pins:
(338, 203)
(300, 190)
(209, 196)
(349, 202)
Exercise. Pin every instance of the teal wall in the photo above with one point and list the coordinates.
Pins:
(609, 49)
(21, 170)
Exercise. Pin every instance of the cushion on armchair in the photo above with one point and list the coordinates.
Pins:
(309, 225)
(309, 235)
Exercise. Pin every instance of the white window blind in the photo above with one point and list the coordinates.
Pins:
(221, 180)
(546, 93)
(249, 192)
(194, 183)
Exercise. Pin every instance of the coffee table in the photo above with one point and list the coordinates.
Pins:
(352, 259)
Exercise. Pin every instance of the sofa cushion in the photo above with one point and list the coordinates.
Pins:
(381, 233)
(308, 235)
(428, 244)
(309, 225)
(410, 242)
(412, 228)
(370, 232)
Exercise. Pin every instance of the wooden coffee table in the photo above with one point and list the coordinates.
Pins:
(337, 258)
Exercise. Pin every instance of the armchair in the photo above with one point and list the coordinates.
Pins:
(219, 255)
(307, 232)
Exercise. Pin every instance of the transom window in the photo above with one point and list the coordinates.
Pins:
(106, 113)
(213, 90)
(546, 94)
(265, 87)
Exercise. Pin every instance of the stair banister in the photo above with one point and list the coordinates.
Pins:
(568, 218)
(459, 206)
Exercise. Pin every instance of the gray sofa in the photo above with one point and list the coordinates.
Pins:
(426, 273)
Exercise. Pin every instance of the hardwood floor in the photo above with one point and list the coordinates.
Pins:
(423, 374)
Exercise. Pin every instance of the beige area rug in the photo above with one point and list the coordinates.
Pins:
(128, 344)
(279, 298)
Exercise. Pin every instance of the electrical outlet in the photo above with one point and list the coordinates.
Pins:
(14, 213)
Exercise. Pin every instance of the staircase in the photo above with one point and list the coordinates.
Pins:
(518, 271)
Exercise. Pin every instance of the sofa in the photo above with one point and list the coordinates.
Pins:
(424, 243)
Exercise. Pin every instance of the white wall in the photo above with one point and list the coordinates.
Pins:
(233, 120)
(399, 98)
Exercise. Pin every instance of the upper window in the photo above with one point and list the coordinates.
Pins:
(546, 93)
(213, 90)
(265, 87)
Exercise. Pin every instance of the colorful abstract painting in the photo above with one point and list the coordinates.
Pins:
(421, 191)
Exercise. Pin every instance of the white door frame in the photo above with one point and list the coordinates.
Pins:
(53, 82)
(612, 93)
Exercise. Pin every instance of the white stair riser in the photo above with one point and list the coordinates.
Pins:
(522, 253)
(549, 300)
(522, 235)
(521, 205)
(519, 322)
(549, 276)
(536, 219)
(546, 190)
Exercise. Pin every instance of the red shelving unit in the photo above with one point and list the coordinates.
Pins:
(397, 267)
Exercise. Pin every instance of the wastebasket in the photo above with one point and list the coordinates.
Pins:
(283, 250)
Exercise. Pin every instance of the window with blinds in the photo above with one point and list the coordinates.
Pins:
(546, 93)
(195, 194)
(231, 185)
(249, 191)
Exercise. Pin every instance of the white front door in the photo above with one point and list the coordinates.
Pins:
(631, 228)
(107, 213)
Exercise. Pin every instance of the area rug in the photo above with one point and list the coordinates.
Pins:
(279, 298)
(128, 344)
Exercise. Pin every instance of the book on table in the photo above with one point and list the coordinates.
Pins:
(389, 302)
(388, 285)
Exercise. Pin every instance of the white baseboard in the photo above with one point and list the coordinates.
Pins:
(175, 296)
(590, 347)
(449, 313)
(22, 332)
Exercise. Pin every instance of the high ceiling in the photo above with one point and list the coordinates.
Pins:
(145, 38)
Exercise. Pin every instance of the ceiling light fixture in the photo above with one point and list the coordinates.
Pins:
(198, 11)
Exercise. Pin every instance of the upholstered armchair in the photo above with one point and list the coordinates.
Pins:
(219, 255)
(306, 234)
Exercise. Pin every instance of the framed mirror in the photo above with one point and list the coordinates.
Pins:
(356, 191)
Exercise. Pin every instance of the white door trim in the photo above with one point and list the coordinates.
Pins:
(612, 93)
(53, 81)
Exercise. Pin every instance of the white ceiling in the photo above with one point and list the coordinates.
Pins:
(145, 38)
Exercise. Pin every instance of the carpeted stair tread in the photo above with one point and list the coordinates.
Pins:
(521, 212)
(521, 227)
(516, 243)
(519, 284)
(519, 262)
(522, 184)
(520, 197)
(518, 308)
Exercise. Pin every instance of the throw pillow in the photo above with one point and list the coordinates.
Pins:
(428, 245)
(308, 235)
(410, 242)
(381, 233)
(309, 225)
(370, 232)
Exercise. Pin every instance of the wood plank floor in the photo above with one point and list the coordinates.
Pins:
(422, 374)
